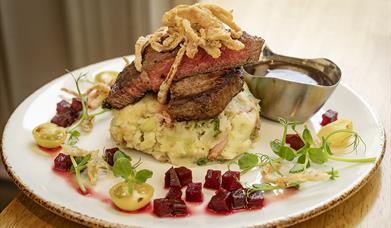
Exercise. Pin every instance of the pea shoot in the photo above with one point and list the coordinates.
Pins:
(86, 119)
(301, 158)
(311, 152)
(248, 161)
(78, 164)
(124, 168)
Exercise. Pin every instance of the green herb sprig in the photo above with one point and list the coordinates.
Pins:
(248, 161)
(124, 168)
(310, 152)
(74, 134)
(78, 164)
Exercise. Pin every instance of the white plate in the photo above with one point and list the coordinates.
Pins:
(32, 171)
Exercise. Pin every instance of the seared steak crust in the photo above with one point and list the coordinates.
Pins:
(129, 87)
(204, 96)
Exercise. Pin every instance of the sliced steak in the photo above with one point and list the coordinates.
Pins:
(157, 65)
(204, 96)
(131, 85)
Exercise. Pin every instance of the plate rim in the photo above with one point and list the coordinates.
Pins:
(93, 221)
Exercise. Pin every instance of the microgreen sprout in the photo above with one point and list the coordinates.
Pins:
(74, 134)
(248, 161)
(78, 164)
(310, 152)
(124, 168)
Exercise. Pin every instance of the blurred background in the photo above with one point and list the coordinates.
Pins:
(41, 38)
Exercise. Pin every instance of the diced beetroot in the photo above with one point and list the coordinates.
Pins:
(294, 141)
(230, 180)
(194, 192)
(162, 207)
(328, 117)
(239, 198)
(174, 193)
(179, 207)
(169, 207)
(109, 155)
(62, 162)
(185, 175)
(213, 179)
(63, 107)
(76, 105)
(255, 200)
(221, 202)
(64, 120)
(67, 113)
(171, 179)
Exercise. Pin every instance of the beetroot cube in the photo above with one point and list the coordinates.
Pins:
(64, 119)
(185, 175)
(174, 193)
(63, 107)
(328, 117)
(109, 155)
(171, 179)
(179, 208)
(221, 202)
(255, 200)
(169, 207)
(230, 180)
(213, 179)
(239, 198)
(294, 141)
(62, 162)
(194, 192)
(76, 105)
(162, 207)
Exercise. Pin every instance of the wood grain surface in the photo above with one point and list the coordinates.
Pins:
(354, 34)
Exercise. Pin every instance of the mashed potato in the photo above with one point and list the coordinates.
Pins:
(146, 127)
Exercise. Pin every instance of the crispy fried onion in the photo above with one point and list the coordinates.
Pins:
(308, 175)
(201, 25)
(74, 151)
(94, 166)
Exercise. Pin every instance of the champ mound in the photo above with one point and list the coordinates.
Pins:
(144, 126)
(182, 97)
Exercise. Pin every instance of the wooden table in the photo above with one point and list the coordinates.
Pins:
(354, 34)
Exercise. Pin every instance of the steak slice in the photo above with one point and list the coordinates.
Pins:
(157, 65)
(204, 96)
(131, 85)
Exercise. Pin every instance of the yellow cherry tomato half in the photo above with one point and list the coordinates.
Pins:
(339, 139)
(107, 77)
(139, 198)
(49, 135)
